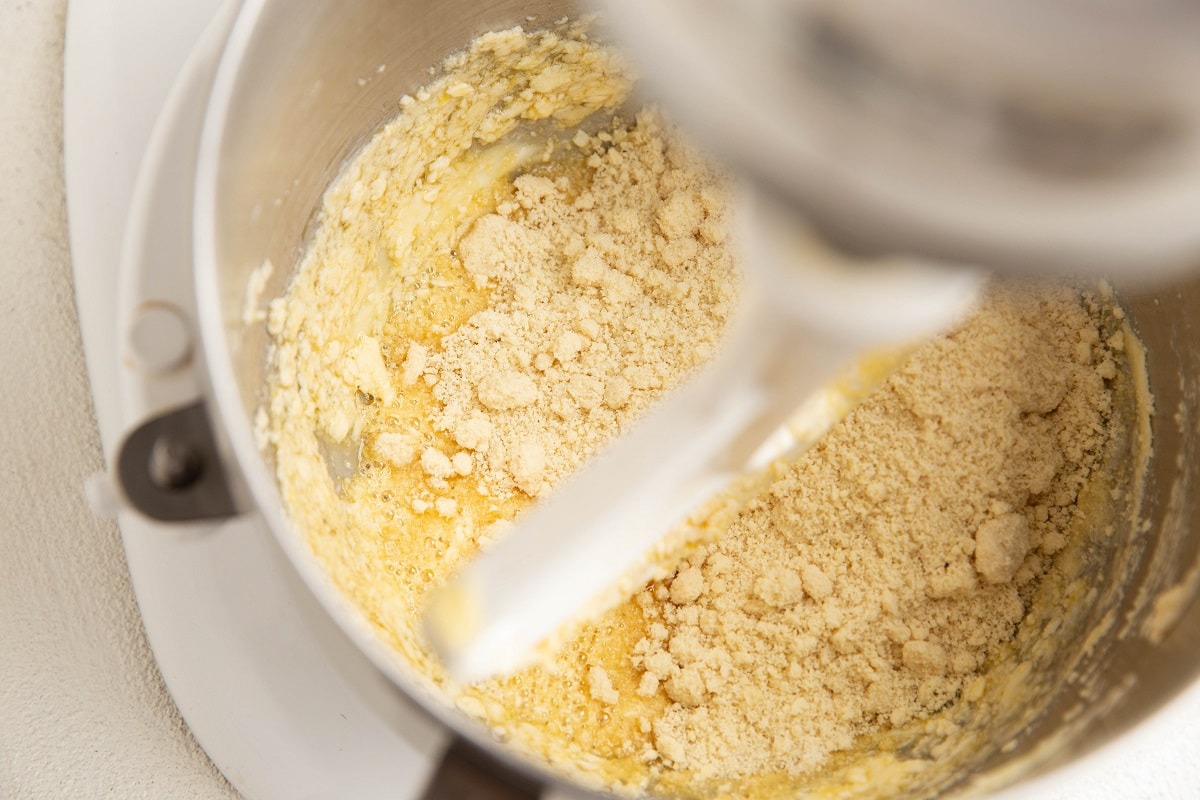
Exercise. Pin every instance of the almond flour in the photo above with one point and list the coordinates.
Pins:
(592, 309)
(875, 577)
(482, 307)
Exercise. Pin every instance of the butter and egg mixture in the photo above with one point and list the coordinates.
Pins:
(508, 275)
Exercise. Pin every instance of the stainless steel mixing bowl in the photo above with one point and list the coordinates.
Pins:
(303, 83)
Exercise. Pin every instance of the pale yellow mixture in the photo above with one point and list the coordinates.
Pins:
(495, 291)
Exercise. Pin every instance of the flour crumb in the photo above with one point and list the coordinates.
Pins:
(473, 432)
(365, 368)
(687, 687)
(816, 583)
(528, 466)
(648, 686)
(924, 658)
(1000, 546)
(568, 346)
(414, 363)
(780, 587)
(589, 269)
(504, 391)
(601, 687)
(396, 448)
(687, 586)
(436, 463)
(462, 463)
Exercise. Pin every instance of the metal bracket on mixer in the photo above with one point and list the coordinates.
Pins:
(170, 468)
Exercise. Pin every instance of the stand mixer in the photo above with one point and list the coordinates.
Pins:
(265, 43)
(1025, 136)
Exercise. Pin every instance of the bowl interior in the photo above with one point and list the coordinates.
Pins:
(303, 84)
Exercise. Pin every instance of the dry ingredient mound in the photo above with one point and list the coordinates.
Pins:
(869, 584)
(609, 285)
(483, 306)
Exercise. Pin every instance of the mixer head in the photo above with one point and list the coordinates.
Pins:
(1022, 135)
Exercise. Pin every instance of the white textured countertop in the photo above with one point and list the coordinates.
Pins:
(83, 712)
